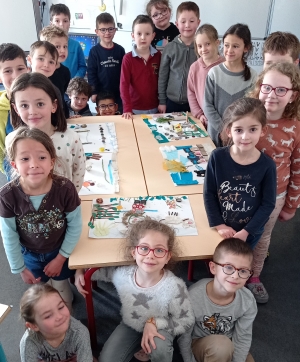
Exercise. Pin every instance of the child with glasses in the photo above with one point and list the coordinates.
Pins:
(106, 104)
(105, 59)
(155, 303)
(165, 31)
(278, 87)
(224, 310)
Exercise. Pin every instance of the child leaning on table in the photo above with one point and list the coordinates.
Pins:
(106, 104)
(155, 305)
(223, 309)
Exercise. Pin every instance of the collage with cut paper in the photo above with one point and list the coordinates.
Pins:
(99, 141)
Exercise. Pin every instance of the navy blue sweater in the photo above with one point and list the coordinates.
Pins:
(240, 196)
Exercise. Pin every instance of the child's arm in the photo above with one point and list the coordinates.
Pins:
(92, 72)
(210, 111)
(125, 83)
(163, 79)
(193, 102)
(83, 345)
(81, 71)
(185, 345)
(78, 162)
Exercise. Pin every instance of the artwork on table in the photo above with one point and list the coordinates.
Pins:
(112, 216)
(173, 127)
(186, 164)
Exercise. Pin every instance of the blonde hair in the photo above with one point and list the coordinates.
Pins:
(52, 31)
(282, 43)
(211, 33)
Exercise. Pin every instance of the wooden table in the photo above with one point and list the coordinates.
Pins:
(158, 180)
(131, 175)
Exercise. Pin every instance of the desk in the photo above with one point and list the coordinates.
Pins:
(131, 175)
(158, 180)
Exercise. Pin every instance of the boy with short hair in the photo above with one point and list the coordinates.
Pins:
(281, 47)
(79, 92)
(224, 310)
(139, 75)
(176, 60)
(12, 64)
(105, 59)
(106, 104)
(60, 16)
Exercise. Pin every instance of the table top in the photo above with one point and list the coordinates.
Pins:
(158, 180)
(131, 182)
(90, 252)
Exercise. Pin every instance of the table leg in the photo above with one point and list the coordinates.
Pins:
(90, 306)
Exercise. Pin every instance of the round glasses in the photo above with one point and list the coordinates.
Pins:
(109, 30)
(156, 16)
(103, 107)
(230, 269)
(279, 91)
(145, 250)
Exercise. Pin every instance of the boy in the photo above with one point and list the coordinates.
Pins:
(106, 104)
(105, 59)
(139, 75)
(79, 92)
(281, 47)
(60, 16)
(176, 60)
(12, 64)
(224, 310)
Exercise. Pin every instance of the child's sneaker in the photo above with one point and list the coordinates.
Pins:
(259, 292)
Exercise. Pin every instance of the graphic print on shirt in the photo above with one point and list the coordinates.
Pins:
(110, 62)
(47, 357)
(216, 324)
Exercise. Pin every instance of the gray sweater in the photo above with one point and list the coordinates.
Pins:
(176, 60)
(222, 88)
(234, 320)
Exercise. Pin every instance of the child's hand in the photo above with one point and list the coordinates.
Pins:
(162, 108)
(149, 333)
(80, 282)
(243, 234)
(53, 268)
(203, 120)
(225, 231)
(127, 115)
(28, 277)
(285, 216)
(93, 98)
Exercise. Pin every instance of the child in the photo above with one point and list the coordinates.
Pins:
(35, 103)
(105, 59)
(139, 70)
(228, 81)
(12, 64)
(155, 305)
(106, 104)
(281, 47)
(176, 60)
(40, 213)
(50, 330)
(165, 31)
(278, 87)
(79, 92)
(207, 50)
(60, 16)
(224, 310)
(240, 183)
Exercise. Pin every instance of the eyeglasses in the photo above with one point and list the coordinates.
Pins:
(157, 252)
(230, 269)
(110, 106)
(156, 16)
(279, 91)
(109, 30)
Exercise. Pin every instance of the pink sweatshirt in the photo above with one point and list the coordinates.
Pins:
(196, 84)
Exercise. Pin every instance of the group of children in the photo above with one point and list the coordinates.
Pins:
(250, 182)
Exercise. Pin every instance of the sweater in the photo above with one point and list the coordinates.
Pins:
(196, 84)
(163, 37)
(282, 143)
(222, 87)
(75, 347)
(75, 60)
(240, 196)
(167, 301)
(174, 68)
(4, 123)
(137, 76)
(233, 320)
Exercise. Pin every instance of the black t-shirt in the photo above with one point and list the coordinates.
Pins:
(163, 37)
(61, 78)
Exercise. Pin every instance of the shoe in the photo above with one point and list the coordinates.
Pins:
(259, 292)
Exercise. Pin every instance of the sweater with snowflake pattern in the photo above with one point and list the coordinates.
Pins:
(167, 301)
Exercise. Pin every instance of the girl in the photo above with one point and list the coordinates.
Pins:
(165, 31)
(155, 304)
(278, 88)
(40, 214)
(35, 103)
(228, 81)
(51, 331)
(206, 48)
(240, 182)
